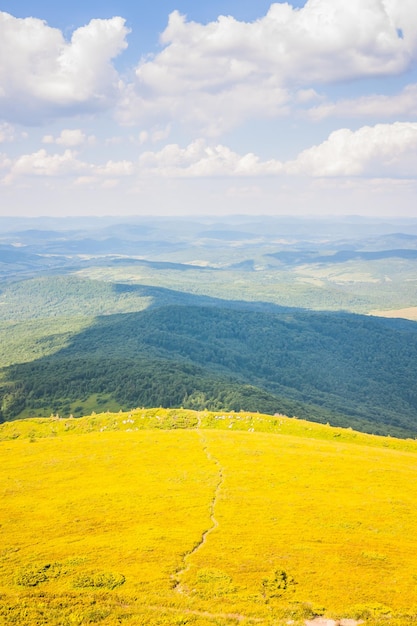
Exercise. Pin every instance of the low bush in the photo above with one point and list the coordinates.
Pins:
(102, 580)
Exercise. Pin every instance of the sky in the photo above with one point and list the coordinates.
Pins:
(175, 107)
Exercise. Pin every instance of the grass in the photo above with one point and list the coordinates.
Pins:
(174, 517)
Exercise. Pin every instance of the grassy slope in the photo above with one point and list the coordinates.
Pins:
(175, 517)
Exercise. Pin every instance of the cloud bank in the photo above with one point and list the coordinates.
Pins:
(43, 76)
(321, 95)
(219, 74)
(211, 76)
(384, 150)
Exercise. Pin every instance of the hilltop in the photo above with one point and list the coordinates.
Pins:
(160, 516)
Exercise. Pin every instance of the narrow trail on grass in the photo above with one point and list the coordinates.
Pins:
(214, 523)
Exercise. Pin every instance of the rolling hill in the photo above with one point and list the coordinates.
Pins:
(176, 517)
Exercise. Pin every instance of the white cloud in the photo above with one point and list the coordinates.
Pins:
(159, 134)
(404, 16)
(114, 141)
(381, 150)
(399, 105)
(115, 168)
(373, 152)
(218, 74)
(154, 135)
(143, 137)
(208, 76)
(40, 165)
(7, 132)
(85, 180)
(200, 160)
(388, 150)
(106, 176)
(212, 112)
(110, 183)
(5, 162)
(43, 76)
(70, 138)
(307, 95)
(48, 139)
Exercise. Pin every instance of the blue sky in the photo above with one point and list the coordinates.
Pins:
(298, 108)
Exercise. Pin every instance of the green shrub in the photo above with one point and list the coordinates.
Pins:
(372, 610)
(33, 575)
(212, 582)
(102, 580)
(276, 585)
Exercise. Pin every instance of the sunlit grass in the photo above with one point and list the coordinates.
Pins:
(339, 519)
(173, 517)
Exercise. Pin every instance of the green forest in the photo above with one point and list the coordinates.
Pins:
(340, 368)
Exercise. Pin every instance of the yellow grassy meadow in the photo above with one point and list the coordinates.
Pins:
(173, 517)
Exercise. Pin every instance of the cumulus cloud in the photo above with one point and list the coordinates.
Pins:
(197, 160)
(399, 105)
(70, 138)
(200, 160)
(43, 76)
(218, 74)
(372, 151)
(105, 176)
(384, 150)
(115, 169)
(211, 76)
(43, 165)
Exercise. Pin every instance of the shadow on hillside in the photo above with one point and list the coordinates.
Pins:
(195, 350)
(162, 296)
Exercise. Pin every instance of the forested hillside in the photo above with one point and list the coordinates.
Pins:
(337, 367)
(235, 314)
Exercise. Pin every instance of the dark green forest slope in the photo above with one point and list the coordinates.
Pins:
(346, 369)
